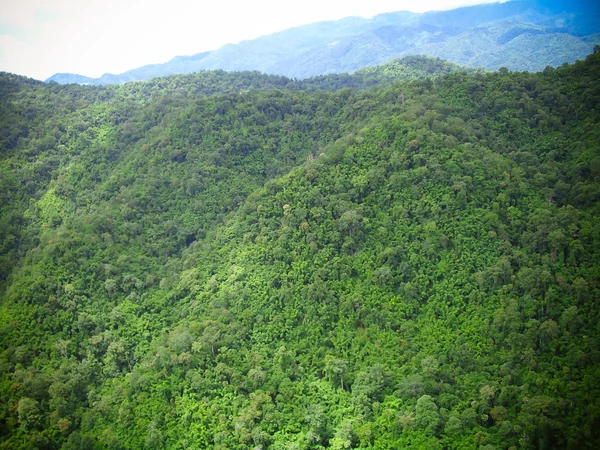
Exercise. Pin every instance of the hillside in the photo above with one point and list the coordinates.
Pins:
(47, 119)
(520, 35)
(213, 261)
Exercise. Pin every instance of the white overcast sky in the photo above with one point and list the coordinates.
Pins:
(90, 37)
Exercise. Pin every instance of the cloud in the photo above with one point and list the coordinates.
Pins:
(25, 17)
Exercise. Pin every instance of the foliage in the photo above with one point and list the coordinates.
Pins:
(410, 265)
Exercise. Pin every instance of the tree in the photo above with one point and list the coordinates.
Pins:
(29, 413)
(427, 415)
(336, 369)
(316, 419)
(351, 222)
(371, 382)
(344, 438)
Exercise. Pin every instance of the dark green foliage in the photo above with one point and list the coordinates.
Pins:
(412, 265)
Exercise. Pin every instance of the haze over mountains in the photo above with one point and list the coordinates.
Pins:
(520, 35)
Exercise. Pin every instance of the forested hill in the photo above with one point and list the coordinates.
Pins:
(413, 265)
(209, 82)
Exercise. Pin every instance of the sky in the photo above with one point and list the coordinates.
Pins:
(91, 37)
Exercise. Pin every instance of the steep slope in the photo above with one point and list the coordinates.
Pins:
(46, 128)
(415, 265)
(562, 32)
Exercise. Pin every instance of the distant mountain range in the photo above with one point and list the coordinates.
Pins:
(520, 35)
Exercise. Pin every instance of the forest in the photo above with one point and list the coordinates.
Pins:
(408, 256)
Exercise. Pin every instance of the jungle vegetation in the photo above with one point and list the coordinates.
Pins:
(235, 261)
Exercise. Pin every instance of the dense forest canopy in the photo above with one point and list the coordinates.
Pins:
(240, 261)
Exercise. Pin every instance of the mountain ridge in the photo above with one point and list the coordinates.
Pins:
(308, 50)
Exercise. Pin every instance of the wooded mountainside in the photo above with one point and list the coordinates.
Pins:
(517, 34)
(242, 261)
